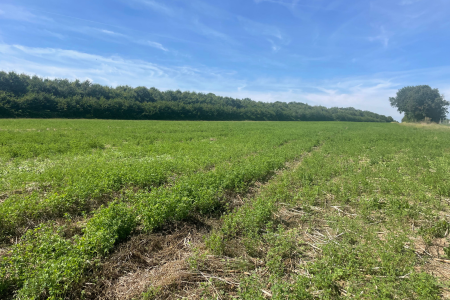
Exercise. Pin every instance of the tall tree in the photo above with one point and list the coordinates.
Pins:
(420, 102)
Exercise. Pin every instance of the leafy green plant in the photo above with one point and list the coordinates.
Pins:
(438, 229)
(313, 180)
(151, 293)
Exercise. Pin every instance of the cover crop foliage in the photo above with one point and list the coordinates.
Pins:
(364, 192)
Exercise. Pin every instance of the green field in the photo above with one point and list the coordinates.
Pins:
(220, 210)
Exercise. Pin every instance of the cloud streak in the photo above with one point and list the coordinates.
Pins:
(109, 32)
(271, 33)
(110, 70)
(17, 13)
(158, 7)
(155, 45)
(320, 52)
(369, 93)
(131, 39)
(383, 37)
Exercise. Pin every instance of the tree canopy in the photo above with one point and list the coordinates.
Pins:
(23, 96)
(420, 102)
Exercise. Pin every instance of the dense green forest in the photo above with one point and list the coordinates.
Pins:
(23, 96)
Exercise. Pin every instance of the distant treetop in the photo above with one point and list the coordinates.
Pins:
(420, 102)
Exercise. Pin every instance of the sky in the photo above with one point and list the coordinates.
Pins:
(340, 53)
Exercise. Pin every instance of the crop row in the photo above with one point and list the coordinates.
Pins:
(35, 268)
(47, 189)
(356, 187)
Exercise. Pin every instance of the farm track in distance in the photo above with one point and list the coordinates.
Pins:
(218, 210)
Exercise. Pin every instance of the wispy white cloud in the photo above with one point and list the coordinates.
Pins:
(110, 70)
(109, 32)
(364, 100)
(21, 14)
(155, 45)
(342, 31)
(211, 33)
(367, 93)
(257, 28)
(372, 95)
(207, 10)
(158, 6)
(191, 20)
(404, 18)
(18, 13)
(383, 37)
(275, 47)
(271, 33)
(128, 39)
(54, 34)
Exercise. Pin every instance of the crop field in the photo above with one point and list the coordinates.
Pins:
(101, 209)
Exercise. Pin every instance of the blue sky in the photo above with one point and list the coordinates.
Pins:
(332, 53)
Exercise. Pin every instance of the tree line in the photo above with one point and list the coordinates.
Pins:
(24, 96)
